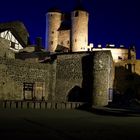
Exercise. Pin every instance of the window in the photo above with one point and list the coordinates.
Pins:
(110, 95)
(133, 67)
(76, 14)
(28, 91)
(52, 32)
(61, 42)
(75, 40)
(12, 45)
(68, 42)
(130, 67)
(40, 90)
(119, 57)
(51, 42)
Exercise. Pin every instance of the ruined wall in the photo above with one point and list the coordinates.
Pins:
(13, 73)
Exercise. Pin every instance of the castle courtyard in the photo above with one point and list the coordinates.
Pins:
(67, 124)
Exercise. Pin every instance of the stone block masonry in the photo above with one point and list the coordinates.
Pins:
(13, 73)
(39, 105)
(84, 77)
(72, 77)
(103, 72)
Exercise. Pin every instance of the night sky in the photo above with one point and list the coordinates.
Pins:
(111, 21)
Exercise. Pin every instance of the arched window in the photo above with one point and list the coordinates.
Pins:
(76, 14)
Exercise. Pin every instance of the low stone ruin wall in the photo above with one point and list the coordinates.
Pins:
(39, 105)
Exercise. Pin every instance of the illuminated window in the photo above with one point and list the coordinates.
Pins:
(133, 67)
(130, 67)
(28, 89)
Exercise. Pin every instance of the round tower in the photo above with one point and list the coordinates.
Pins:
(53, 22)
(79, 31)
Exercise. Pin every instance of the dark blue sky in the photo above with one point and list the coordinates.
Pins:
(111, 21)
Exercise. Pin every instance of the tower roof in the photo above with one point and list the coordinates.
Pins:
(54, 10)
(79, 6)
(18, 29)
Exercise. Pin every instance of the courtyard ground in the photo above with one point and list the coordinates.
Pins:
(67, 125)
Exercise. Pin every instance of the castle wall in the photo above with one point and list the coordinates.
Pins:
(68, 75)
(13, 73)
(76, 77)
(118, 54)
(103, 72)
(137, 67)
(85, 76)
(64, 38)
(127, 78)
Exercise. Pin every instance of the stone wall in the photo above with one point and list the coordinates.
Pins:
(5, 49)
(13, 73)
(20, 104)
(68, 74)
(75, 77)
(84, 77)
(64, 38)
(103, 73)
(127, 79)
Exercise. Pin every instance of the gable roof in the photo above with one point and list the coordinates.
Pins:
(18, 30)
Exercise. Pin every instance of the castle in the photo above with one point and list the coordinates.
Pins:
(67, 31)
(70, 70)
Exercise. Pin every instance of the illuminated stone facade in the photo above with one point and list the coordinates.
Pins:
(67, 31)
(80, 73)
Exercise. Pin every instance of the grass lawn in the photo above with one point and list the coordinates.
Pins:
(67, 124)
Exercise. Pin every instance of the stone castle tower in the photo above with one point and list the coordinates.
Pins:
(79, 30)
(67, 32)
(53, 22)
